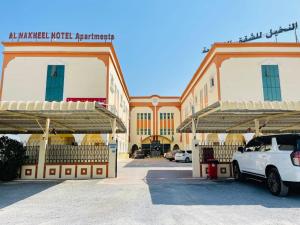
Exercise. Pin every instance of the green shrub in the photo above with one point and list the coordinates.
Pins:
(12, 156)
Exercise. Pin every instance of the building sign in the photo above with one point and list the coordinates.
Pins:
(101, 100)
(54, 36)
(270, 34)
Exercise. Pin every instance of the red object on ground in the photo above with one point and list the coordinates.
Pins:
(212, 170)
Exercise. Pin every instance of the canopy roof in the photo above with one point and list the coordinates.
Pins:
(238, 117)
(18, 117)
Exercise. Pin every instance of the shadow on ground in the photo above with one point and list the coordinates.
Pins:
(12, 192)
(156, 162)
(177, 187)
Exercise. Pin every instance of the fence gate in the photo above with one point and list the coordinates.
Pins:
(68, 162)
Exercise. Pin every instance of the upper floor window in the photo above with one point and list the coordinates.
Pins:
(271, 83)
(55, 83)
(212, 82)
(143, 124)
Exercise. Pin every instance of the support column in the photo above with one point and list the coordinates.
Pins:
(42, 151)
(195, 152)
(113, 145)
(257, 131)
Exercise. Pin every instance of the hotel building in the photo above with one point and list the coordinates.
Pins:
(56, 71)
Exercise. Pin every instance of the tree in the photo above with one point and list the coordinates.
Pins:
(12, 156)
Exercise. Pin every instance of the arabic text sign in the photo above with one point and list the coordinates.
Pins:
(53, 36)
(259, 35)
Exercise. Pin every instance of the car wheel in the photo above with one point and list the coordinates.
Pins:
(187, 160)
(236, 172)
(275, 184)
(170, 160)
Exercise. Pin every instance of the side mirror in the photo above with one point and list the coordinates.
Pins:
(241, 149)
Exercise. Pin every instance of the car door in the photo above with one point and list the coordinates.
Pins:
(249, 156)
(263, 155)
(189, 154)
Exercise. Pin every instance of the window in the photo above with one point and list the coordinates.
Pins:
(212, 82)
(55, 83)
(259, 144)
(271, 83)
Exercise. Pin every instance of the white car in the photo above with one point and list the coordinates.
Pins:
(184, 155)
(275, 158)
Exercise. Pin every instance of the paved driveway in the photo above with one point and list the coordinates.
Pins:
(151, 191)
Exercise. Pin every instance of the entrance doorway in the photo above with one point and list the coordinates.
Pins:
(156, 145)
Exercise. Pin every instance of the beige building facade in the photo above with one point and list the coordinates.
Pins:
(91, 72)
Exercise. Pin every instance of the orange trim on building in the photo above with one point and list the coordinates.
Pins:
(138, 124)
(172, 124)
(153, 96)
(145, 121)
(165, 121)
(149, 104)
(161, 124)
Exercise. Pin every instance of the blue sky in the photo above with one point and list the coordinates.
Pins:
(158, 42)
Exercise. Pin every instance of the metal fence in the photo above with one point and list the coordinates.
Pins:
(32, 155)
(77, 154)
(221, 152)
(69, 154)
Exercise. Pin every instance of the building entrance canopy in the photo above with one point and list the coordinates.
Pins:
(243, 117)
(18, 117)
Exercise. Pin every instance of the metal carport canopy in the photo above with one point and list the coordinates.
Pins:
(239, 117)
(19, 117)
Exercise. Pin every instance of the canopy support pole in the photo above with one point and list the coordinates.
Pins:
(195, 151)
(42, 151)
(257, 130)
(113, 151)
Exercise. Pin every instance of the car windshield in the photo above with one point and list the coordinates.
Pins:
(288, 143)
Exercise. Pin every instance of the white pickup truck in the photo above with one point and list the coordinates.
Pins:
(275, 158)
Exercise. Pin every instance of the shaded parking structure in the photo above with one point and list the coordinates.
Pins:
(46, 161)
(237, 117)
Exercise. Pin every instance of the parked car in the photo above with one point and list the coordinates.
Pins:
(274, 158)
(139, 154)
(171, 155)
(184, 155)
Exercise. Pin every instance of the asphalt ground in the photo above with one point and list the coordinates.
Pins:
(147, 191)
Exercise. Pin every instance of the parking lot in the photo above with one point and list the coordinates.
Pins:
(147, 191)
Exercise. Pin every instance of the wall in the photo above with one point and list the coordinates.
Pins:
(197, 98)
(25, 78)
(118, 104)
(241, 78)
